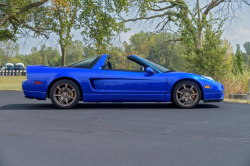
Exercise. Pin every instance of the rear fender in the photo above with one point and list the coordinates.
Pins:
(60, 77)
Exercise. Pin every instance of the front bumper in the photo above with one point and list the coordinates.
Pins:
(216, 93)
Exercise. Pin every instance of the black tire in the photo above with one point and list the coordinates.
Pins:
(187, 96)
(69, 91)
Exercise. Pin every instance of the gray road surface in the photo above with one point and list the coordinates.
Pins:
(35, 133)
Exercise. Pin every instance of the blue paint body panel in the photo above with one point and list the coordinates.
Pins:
(102, 85)
(125, 84)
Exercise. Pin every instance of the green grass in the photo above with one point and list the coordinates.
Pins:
(11, 82)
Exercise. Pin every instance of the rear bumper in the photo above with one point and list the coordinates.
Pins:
(35, 95)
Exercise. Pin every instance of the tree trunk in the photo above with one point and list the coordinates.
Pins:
(63, 49)
(199, 25)
(199, 38)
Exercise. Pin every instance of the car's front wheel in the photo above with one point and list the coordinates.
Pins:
(186, 94)
(65, 94)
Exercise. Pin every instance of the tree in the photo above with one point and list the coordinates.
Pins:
(95, 17)
(246, 56)
(15, 60)
(153, 47)
(247, 47)
(164, 12)
(35, 57)
(48, 55)
(229, 55)
(1, 55)
(92, 17)
(18, 17)
(62, 17)
(239, 60)
(44, 55)
(75, 52)
(209, 59)
(9, 50)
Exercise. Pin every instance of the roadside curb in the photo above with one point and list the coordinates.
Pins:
(237, 101)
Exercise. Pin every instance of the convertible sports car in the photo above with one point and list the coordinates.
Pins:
(103, 79)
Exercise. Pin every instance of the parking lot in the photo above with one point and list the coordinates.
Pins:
(35, 133)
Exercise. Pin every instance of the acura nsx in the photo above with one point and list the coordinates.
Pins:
(110, 79)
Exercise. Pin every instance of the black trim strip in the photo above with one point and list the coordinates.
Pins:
(213, 100)
(137, 71)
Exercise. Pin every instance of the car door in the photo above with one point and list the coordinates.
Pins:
(133, 84)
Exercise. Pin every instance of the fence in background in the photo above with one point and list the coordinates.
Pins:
(13, 73)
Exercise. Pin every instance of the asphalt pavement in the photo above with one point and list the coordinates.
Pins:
(35, 133)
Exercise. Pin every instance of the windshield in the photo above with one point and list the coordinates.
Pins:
(85, 63)
(158, 67)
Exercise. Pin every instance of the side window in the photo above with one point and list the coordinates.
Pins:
(122, 63)
(85, 63)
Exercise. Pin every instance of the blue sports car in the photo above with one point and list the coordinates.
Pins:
(103, 79)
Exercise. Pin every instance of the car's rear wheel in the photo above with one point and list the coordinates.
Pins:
(186, 94)
(65, 94)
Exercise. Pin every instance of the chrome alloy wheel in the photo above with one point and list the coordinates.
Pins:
(187, 94)
(64, 94)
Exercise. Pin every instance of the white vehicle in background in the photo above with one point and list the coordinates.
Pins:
(9, 66)
(19, 66)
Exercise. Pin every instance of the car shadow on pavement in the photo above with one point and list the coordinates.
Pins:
(83, 106)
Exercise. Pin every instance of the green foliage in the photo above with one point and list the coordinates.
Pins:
(247, 47)
(20, 16)
(208, 59)
(98, 23)
(94, 20)
(44, 55)
(75, 52)
(154, 48)
(8, 50)
(239, 60)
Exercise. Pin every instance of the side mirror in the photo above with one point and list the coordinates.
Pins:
(150, 70)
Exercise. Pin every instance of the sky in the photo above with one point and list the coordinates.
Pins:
(237, 32)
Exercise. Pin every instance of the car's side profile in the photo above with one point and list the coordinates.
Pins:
(99, 79)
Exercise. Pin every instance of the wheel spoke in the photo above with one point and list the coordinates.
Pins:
(71, 97)
(186, 101)
(181, 98)
(191, 99)
(66, 100)
(66, 86)
(58, 95)
(61, 99)
(71, 91)
(194, 94)
(58, 87)
(191, 88)
(180, 92)
(184, 86)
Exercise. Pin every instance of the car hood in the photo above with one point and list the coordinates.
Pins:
(181, 74)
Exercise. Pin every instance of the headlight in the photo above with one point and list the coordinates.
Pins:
(210, 78)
